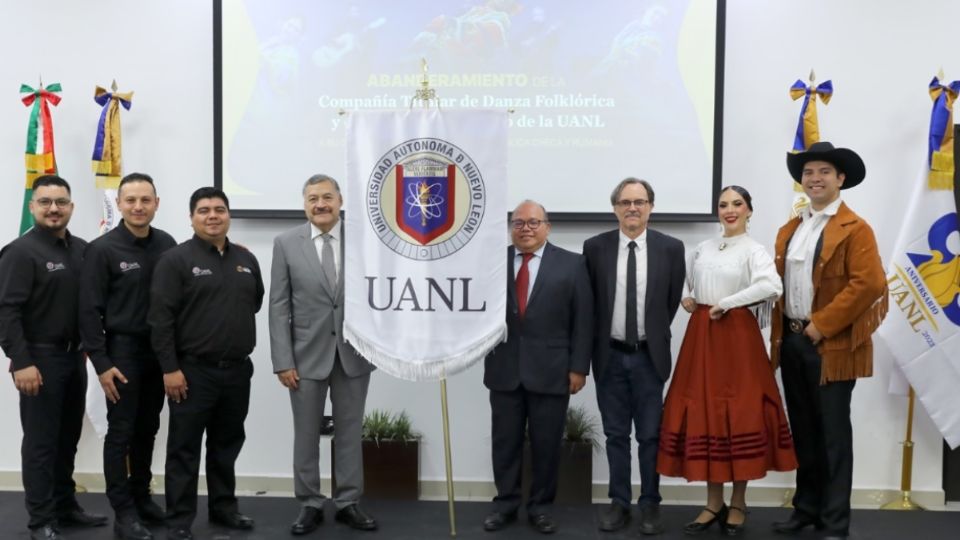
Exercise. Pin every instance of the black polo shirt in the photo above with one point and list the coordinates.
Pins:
(39, 282)
(115, 293)
(203, 303)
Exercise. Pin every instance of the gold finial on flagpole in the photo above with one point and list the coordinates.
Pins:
(940, 74)
(813, 76)
(424, 94)
(41, 81)
(114, 86)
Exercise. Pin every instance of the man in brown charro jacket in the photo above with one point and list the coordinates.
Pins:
(834, 299)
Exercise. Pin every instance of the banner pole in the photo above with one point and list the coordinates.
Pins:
(447, 455)
(906, 467)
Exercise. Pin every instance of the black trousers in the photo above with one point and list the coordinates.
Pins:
(822, 434)
(217, 402)
(543, 415)
(133, 423)
(52, 421)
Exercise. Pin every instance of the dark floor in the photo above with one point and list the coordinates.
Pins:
(419, 520)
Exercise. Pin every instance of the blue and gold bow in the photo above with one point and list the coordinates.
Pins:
(940, 147)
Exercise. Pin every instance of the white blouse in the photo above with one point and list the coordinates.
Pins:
(732, 272)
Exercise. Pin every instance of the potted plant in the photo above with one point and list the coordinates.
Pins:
(581, 438)
(391, 456)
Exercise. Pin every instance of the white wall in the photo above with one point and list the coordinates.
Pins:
(163, 51)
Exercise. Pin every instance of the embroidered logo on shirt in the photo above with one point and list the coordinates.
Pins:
(126, 267)
(197, 271)
(53, 267)
(244, 269)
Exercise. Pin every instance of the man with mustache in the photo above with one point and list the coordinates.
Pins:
(310, 357)
(39, 286)
(637, 276)
(113, 324)
(203, 299)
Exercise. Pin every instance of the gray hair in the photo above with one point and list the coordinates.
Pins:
(320, 178)
(615, 196)
(546, 216)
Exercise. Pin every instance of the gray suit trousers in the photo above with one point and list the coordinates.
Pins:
(348, 395)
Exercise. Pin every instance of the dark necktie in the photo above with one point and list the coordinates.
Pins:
(631, 330)
(523, 283)
(328, 264)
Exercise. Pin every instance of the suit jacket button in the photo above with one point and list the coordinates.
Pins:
(333, 333)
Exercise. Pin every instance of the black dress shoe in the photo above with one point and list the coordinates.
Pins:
(542, 523)
(179, 534)
(78, 517)
(650, 520)
(308, 521)
(498, 520)
(796, 523)
(150, 512)
(131, 529)
(697, 527)
(47, 532)
(231, 520)
(356, 518)
(733, 529)
(614, 518)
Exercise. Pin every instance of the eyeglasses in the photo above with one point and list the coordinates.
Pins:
(47, 203)
(533, 224)
(625, 203)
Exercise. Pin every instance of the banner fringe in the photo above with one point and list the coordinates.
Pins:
(428, 371)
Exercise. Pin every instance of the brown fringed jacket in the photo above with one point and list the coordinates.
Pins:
(849, 296)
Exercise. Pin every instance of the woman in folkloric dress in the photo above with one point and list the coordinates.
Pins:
(723, 419)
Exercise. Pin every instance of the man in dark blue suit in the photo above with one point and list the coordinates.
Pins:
(545, 359)
(637, 279)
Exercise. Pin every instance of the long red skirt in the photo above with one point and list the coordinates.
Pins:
(723, 419)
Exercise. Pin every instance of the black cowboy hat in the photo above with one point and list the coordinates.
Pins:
(845, 160)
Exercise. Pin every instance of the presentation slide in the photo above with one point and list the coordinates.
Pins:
(599, 91)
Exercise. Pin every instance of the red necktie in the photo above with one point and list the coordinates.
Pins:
(523, 283)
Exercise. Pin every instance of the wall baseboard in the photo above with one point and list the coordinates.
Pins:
(482, 490)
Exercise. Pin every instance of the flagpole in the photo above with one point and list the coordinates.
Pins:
(425, 95)
(906, 468)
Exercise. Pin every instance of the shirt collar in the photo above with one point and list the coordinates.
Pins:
(131, 238)
(207, 246)
(640, 240)
(537, 253)
(829, 211)
(315, 232)
(51, 238)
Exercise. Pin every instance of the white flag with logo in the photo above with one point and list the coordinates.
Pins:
(922, 328)
(425, 239)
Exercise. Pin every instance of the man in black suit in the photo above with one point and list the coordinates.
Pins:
(637, 278)
(545, 359)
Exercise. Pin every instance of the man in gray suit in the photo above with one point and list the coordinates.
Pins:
(637, 277)
(310, 356)
(545, 359)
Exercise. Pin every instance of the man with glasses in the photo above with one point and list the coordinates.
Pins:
(637, 278)
(117, 269)
(544, 360)
(39, 287)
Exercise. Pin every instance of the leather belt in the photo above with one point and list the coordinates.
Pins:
(628, 348)
(62, 345)
(796, 325)
(218, 362)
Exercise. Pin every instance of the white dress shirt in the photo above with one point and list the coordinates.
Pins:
(798, 270)
(740, 274)
(618, 324)
(533, 266)
(317, 235)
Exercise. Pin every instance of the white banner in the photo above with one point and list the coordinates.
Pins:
(922, 328)
(425, 239)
